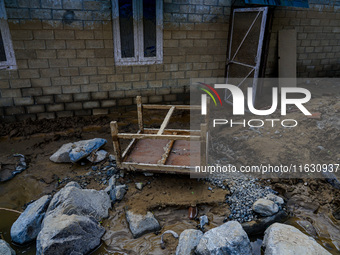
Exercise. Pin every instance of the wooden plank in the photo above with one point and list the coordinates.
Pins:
(155, 136)
(130, 147)
(116, 143)
(166, 120)
(156, 168)
(203, 145)
(171, 131)
(166, 154)
(140, 113)
(167, 107)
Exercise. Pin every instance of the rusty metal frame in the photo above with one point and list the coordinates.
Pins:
(162, 133)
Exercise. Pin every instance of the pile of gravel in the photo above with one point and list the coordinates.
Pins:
(244, 192)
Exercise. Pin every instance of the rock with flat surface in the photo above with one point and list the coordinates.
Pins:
(228, 239)
(87, 202)
(265, 207)
(141, 224)
(281, 239)
(68, 234)
(118, 193)
(98, 156)
(5, 248)
(62, 155)
(276, 199)
(188, 241)
(73, 152)
(27, 227)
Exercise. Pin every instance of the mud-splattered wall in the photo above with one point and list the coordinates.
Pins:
(68, 68)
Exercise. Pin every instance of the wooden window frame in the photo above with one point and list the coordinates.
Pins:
(138, 59)
(10, 63)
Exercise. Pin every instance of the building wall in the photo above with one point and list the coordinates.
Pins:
(68, 69)
(318, 38)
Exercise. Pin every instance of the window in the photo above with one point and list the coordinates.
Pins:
(138, 31)
(7, 58)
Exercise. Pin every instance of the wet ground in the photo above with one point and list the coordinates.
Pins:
(311, 202)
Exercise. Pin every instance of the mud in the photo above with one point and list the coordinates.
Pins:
(169, 197)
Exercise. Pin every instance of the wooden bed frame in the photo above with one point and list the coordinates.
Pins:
(158, 138)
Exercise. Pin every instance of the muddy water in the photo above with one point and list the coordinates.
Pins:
(118, 240)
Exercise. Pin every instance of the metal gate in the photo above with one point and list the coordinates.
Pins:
(245, 48)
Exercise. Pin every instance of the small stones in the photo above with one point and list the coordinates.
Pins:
(118, 193)
(139, 185)
(203, 220)
(141, 224)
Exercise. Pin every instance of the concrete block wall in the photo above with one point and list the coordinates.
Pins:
(318, 38)
(69, 69)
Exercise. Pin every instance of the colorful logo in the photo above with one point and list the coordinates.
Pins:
(204, 97)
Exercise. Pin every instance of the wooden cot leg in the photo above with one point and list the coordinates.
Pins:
(140, 113)
(116, 143)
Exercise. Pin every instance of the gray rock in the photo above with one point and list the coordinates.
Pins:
(73, 152)
(139, 185)
(281, 239)
(98, 156)
(74, 200)
(229, 239)
(118, 193)
(111, 185)
(188, 241)
(276, 199)
(265, 207)
(84, 148)
(141, 224)
(62, 155)
(27, 227)
(5, 248)
(203, 220)
(68, 234)
(260, 225)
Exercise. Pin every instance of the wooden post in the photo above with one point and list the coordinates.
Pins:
(140, 113)
(204, 129)
(116, 144)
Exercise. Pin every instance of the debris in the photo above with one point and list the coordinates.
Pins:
(27, 227)
(73, 152)
(148, 174)
(192, 212)
(98, 156)
(265, 207)
(203, 220)
(118, 193)
(142, 224)
(228, 237)
(174, 234)
(139, 185)
(280, 238)
(188, 241)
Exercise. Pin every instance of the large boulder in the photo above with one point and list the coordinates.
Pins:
(141, 224)
(188, 241)
(281, 239)
(86, 202)
(68, 234)
(5, 248)
(229, 239)
(27, 227)
(265, 207)
(73, 152)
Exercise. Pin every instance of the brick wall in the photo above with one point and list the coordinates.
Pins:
(318, 38)
(68, 69)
